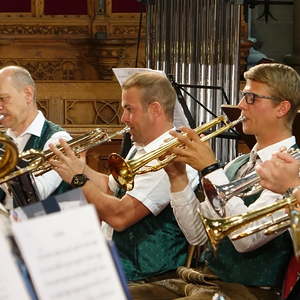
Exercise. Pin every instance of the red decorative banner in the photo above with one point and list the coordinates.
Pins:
(15, 6)
(128, 6)
(65, 7)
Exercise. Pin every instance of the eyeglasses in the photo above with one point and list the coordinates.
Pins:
(251, 97)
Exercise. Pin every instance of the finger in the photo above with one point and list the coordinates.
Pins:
(67, 149)
(263, 171)
(82, 156)
(182, 138)
(191, 134)
(55, 163)
(57, 152)
(282, 149)
(286, 157)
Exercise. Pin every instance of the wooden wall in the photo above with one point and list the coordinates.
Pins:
(70, 48)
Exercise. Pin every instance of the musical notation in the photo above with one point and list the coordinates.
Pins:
(67, 256)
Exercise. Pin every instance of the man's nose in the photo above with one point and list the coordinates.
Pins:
(124, 117)
(242, 104)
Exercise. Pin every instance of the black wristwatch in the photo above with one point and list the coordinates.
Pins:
(79, 180)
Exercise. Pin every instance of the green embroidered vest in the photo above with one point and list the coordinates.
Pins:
(38, 143)
(152, 246)
(264, 266)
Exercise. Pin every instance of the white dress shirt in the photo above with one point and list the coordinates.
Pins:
(185, 206)
(48, 182)
(153, 188)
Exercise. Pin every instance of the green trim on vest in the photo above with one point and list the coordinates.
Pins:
(152, 246)
(264, 266)
(38, 143)
(240, 161)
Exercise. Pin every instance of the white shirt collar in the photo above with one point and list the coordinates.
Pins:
(155, 143)
(35, 128)
(266, 153)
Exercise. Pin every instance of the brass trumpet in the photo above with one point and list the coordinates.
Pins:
(218, 195)
(9, 154)
(38, 162)
(217, 229)
(290, 220)
(124, 170)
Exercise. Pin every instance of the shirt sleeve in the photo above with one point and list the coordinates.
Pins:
(112, 184)
(48, 182)
(153, 188)
(187, 207)
(236, 206)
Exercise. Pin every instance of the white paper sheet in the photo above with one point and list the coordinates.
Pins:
(12, 286)
(67, 256)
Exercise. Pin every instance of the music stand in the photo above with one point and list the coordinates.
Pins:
(179, 88)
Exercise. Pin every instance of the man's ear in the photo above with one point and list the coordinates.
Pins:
(155, 108)
(283, 108)
(29, 94)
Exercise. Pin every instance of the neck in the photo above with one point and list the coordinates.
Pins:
(157, 132)
(24, 125)
(265, 141)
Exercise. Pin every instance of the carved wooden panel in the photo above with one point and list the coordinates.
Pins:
(80, 106)
(106, 112)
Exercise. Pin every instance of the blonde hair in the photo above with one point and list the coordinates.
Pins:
(154, 87)
(283, 82)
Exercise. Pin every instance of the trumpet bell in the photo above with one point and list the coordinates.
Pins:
(214, 196)
(9, 155)
(121, 171)
(212, 229)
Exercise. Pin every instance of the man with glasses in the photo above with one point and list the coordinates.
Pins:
(252, 267)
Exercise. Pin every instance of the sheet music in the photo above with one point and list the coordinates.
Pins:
(12, 286)
(123, 73)
(67, 256)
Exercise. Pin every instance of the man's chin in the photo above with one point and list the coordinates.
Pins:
(247, 131)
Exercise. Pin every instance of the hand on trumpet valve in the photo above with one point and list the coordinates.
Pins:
(192, 150)
(66, 162)
(280, 173)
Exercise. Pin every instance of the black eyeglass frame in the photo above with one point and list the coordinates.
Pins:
(253, 97)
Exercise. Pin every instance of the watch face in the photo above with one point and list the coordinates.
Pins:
(79, 180)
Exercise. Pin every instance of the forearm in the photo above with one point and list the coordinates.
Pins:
(47, 183)
(185, 206)
(99, 179)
